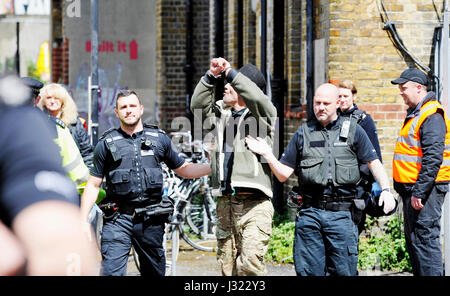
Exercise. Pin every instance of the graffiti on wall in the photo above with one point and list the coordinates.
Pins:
(132, 48)
(109, 85)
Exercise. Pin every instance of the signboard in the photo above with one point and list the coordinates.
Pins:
(127, 39)
(32, 7)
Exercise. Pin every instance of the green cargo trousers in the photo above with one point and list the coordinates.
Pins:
(243, 232)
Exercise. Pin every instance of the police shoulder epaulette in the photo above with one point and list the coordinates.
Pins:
(153, 126)
(58, 121)
(107, 132)
(150, 125)
(359, 115)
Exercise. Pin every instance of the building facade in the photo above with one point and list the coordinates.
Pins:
(299, 43)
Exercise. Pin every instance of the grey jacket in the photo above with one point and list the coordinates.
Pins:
(249, 171)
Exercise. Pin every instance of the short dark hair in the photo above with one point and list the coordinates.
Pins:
(126, 93)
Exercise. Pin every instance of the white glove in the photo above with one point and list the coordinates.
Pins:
(388, 199)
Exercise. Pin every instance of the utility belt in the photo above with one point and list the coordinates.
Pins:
(328, 202)
(128, 207)
(152, 207)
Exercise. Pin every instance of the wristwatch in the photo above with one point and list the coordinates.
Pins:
(387, 189)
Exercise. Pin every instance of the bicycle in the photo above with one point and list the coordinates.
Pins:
(201, 208)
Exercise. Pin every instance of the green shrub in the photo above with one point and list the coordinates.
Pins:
(282, 240)
(384, 249)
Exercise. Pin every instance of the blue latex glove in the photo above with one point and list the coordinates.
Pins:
(376, 189)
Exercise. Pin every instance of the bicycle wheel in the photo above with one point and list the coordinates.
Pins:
(201, 213)
(172, 235)
(199, 244)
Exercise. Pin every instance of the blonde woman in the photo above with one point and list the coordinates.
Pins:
(56, 101)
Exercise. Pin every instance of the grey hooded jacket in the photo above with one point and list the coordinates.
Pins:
(249, 170)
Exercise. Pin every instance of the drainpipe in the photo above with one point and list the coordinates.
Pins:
(278, 87)
(264, 37)
(94, 71)
(240, 33)
(189, 68)
(218, 42)
(309, 58)
(17, 58)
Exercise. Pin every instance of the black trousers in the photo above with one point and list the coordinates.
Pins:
(146, 236)
(422, 233)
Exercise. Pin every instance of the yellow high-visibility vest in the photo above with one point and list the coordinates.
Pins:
(72, 160)
(408, 155)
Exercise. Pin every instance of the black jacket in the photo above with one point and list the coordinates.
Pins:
(368, 125)
(81, 137)
(432, 134)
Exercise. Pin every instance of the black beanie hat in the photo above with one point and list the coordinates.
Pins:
(254, 75)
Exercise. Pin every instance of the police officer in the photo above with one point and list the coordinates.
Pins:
(72, 160)
(35, 87)
(129, 157)
(35, 194)
(325, 152)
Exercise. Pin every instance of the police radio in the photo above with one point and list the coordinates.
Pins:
(345, 129)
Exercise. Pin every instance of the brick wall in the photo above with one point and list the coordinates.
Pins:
(60, 45)
(357, 48)
(252, 51)
(57, 41)
(360, 50)
(231, 31)
(171, 55)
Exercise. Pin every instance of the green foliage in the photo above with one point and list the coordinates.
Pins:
(32, 70)
(385, 249)
(282, 240)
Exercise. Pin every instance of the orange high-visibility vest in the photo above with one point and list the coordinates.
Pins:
(408, 151)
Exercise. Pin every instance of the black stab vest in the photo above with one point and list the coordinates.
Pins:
(135, 173)
(327, 158)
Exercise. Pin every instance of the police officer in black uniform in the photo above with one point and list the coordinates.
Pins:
(129, 157)
(35, 194)
(324, 153)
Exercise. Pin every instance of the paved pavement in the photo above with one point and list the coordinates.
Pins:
(197, 263)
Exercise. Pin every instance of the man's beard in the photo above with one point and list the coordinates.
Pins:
(132, 124)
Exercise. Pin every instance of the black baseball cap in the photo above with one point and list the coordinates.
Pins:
(412, 74)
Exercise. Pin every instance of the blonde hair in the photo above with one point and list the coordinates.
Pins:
(69, 111)
(348, 84)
